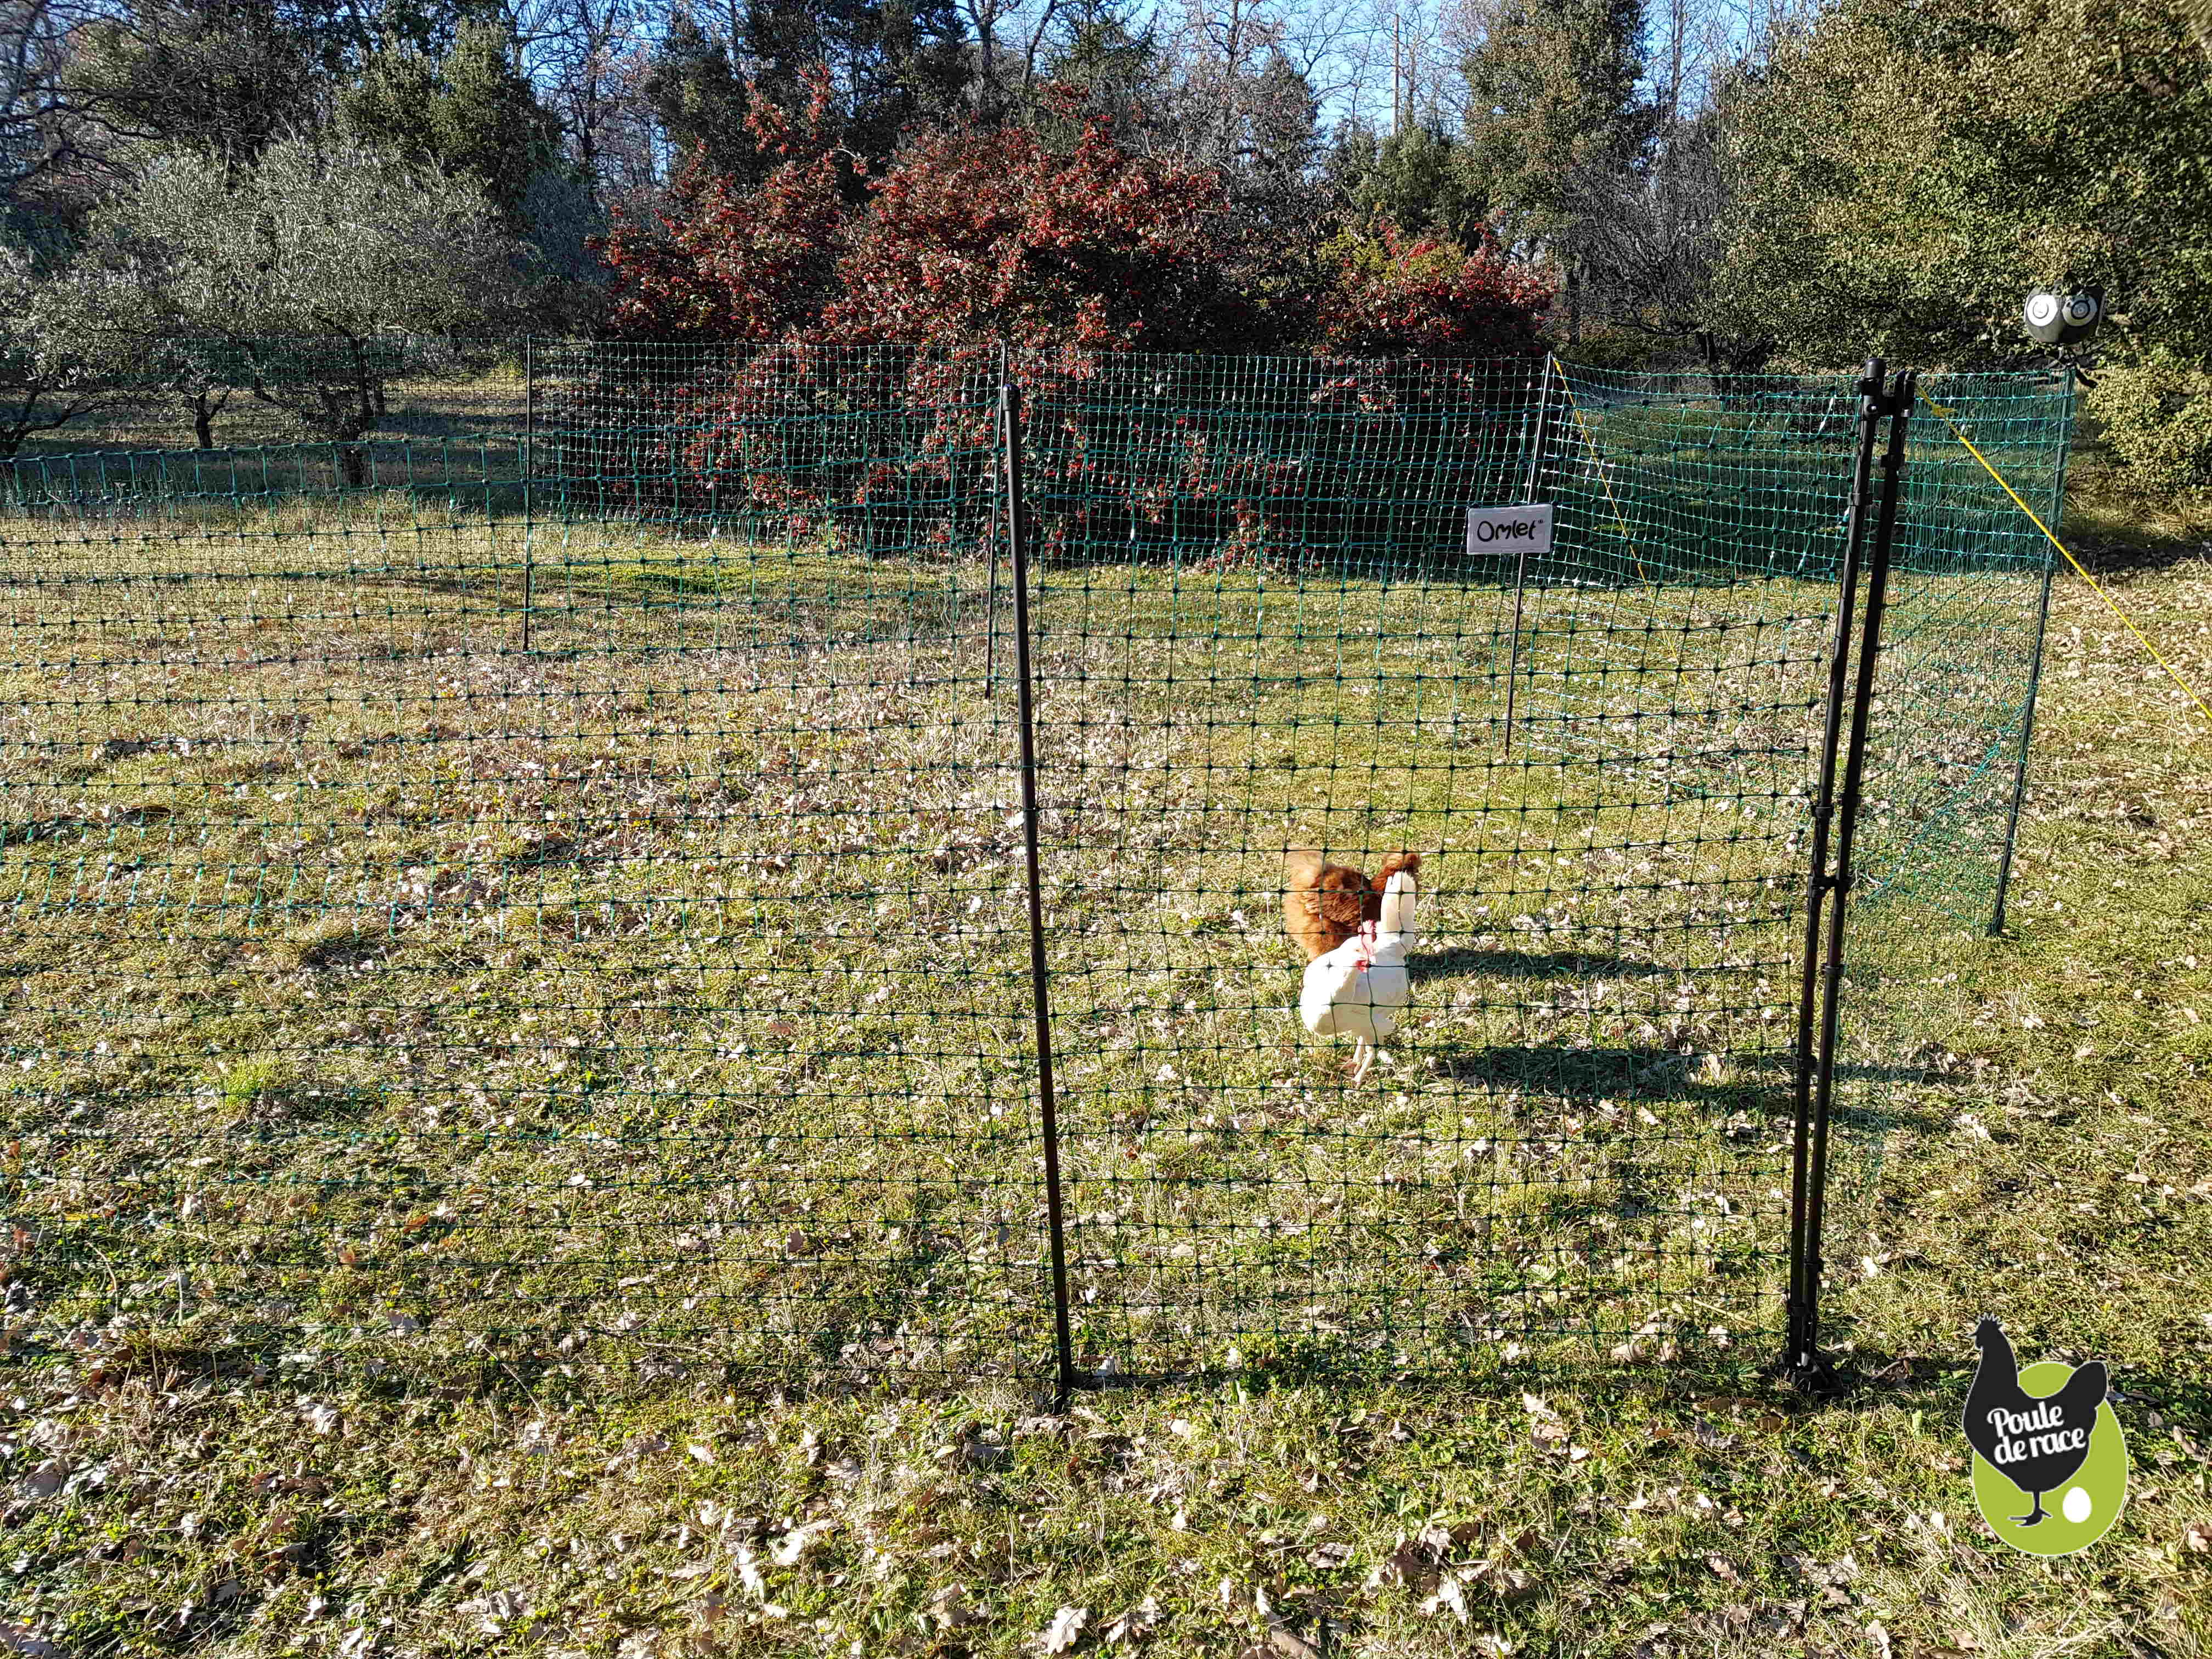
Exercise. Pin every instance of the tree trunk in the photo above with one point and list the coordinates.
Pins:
(203, 422)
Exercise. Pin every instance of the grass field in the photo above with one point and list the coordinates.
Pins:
(472, 1109)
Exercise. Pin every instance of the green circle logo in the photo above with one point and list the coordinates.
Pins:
(2051, 1468)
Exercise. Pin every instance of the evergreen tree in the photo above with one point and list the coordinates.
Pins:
(700, 101)
(898, 63)
(1419, 181)
(892, 65)
(1904, 170)
(468, 111)
(1553, 108)
(225, 77)
(1105, 73)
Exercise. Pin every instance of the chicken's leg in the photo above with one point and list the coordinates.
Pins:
(2032, 1519)
(1363, 1059)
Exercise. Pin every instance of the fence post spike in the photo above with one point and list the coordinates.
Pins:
(529, 463)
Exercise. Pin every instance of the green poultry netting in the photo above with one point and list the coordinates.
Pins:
(561, 899)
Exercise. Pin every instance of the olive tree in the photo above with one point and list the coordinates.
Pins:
(65, 346)
(295, 275)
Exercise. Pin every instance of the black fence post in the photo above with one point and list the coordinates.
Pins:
(2034, 672)
(1810, 1193)
(1009, 427)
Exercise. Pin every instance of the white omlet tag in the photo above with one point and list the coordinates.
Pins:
(1514, 530)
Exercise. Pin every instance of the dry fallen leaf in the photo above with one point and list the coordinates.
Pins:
(789, 1550)
(47, 1479)
(1135, 1625)
(19, 1639)
(1065, 1631)
(950, 1608)
(1447, 1595)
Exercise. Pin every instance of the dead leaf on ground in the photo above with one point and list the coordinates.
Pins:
(1065, 1631)
(1134, 1626)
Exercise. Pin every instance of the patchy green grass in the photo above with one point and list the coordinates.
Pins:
(472, 1109)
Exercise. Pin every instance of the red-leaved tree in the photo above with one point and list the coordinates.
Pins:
(1401, 296)
(973, 237)
(729, 264)
(855, 403)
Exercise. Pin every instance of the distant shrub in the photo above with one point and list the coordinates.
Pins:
(2157, 414)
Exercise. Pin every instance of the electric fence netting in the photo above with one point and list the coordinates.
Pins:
(564, 900)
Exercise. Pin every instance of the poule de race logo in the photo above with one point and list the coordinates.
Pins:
(2047, 1430)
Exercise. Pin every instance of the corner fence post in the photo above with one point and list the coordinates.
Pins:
(2034, 669)
(1521, 564)
(1817, 1061)
(529, 464)
(1817, 881)
(1010, 408)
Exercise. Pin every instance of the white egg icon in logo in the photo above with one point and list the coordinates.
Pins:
(2077, 1506)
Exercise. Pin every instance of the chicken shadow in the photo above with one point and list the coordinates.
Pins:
(1549, 964)
(1586, 1076)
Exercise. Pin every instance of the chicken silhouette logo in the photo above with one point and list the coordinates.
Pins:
(2045, 1432)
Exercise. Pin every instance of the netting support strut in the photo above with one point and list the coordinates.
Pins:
(1521, 564)
(1836, 818)
(1798, 1354)
(2034, 680)
(1010, 429)
(529, 460)
(991, 581)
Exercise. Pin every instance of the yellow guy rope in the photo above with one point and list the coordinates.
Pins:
(1944, 415)
(1577, 411)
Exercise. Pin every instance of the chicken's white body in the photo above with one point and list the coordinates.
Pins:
(1359, 989)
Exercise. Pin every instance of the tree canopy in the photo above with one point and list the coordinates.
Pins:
(1849, 176)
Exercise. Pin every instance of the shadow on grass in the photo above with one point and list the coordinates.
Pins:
(1552, 964)
(1586, 1075)
(1942, 1381)
(1749, 1367)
